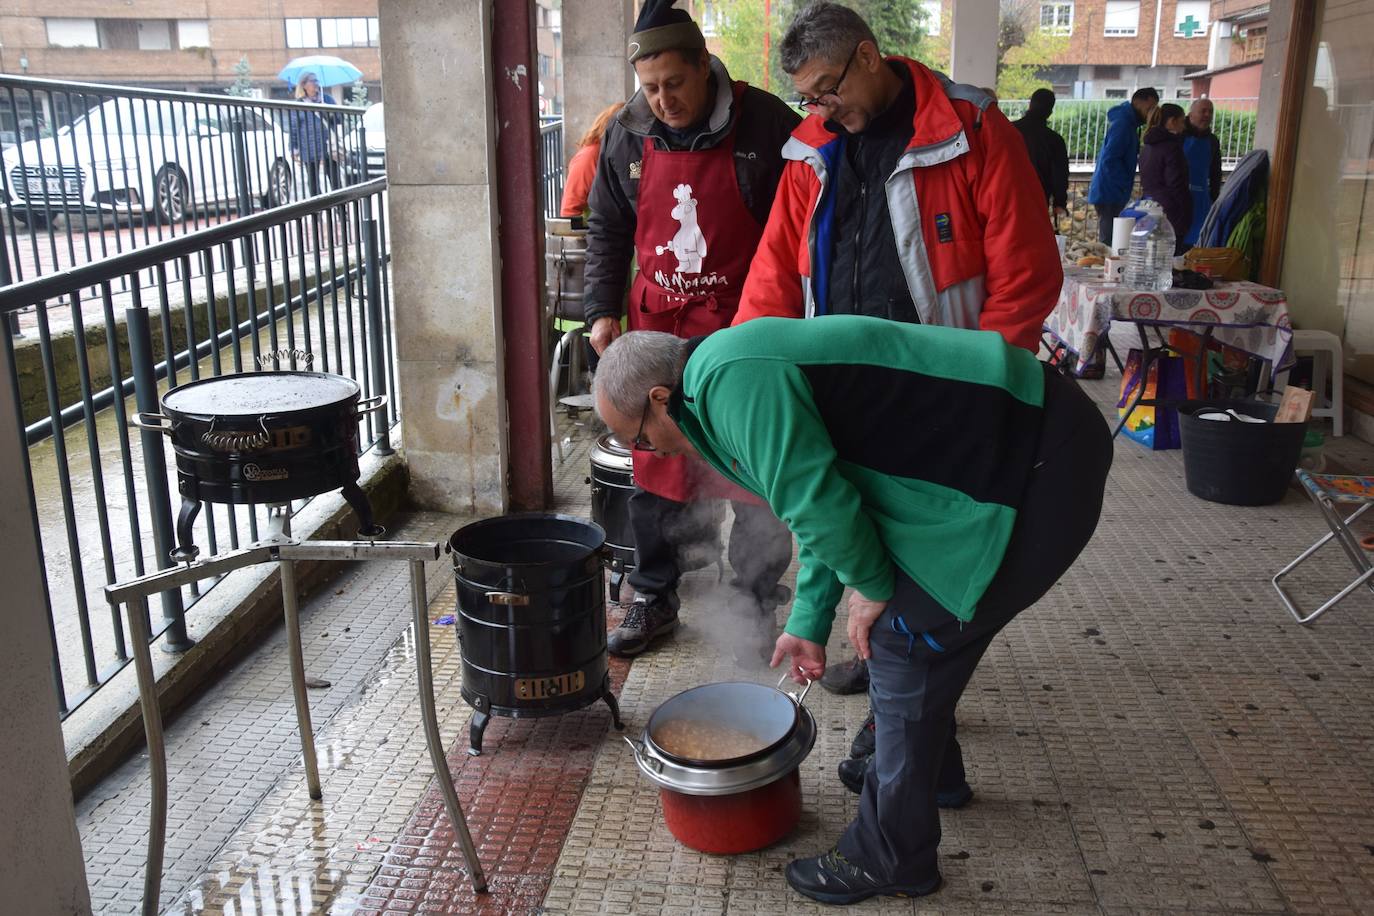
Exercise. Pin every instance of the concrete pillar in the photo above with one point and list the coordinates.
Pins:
(973, 42)
(595, 71)
(441, 130)
(41, 867)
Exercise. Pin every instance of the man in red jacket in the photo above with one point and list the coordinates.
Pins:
(905, 196)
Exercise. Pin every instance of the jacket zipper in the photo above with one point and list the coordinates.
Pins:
(858, 244)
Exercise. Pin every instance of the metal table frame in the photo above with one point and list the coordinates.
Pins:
(281, 548)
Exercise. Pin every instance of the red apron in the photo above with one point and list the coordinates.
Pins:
(694, 240)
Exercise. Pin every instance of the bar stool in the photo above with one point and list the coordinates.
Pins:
(1327, 359)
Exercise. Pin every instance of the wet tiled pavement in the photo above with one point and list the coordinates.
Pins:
(1157, 735)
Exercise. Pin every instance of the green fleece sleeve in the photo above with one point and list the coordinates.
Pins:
(760, 412)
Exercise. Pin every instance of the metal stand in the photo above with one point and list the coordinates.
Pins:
(281, 548)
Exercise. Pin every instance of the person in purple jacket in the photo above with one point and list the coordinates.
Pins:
(1164, 171)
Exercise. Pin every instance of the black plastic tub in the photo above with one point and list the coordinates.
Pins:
(1234, 462)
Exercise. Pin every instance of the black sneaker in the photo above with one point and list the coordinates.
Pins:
(647, 618)
(832, 878)
(865, 740)
(854, 771)
(846, 677)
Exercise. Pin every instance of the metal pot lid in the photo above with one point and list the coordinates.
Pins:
(253, 394)
(764, 713)
(611, 454)
(729, 780)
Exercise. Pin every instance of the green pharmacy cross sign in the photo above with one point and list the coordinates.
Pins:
(1189, 26)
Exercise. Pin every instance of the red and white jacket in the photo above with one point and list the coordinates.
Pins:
(973, 236)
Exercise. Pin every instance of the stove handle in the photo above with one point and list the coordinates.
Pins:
(508, 598)
(152, 422)
(237, 440)
(368, 405)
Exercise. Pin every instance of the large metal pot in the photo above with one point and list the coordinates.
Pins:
(613, 483)
(265, 438)
(739, 804)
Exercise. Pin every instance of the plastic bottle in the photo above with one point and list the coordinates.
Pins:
(1150, 259)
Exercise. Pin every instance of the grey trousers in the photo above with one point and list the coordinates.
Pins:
(923, 657)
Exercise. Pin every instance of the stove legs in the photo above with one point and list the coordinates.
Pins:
(613, 704)
(480, 720)
(293, 639)
(186, 550)
(432, 737)
(357, 499)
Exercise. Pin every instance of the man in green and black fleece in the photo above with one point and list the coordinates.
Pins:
(945, 476)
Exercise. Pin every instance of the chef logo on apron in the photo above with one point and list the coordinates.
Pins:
(688, 245)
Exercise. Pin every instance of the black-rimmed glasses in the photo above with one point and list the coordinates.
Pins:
(808, 104)
(639, 443)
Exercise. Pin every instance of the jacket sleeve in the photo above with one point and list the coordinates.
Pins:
(581, 170)
(1023, 272)
(1059, 171)
(778, 436)
(1116, 143)
(774, 285)
(610, 232)
(1214, 186)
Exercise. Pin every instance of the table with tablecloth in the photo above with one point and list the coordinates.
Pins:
(1244, 315)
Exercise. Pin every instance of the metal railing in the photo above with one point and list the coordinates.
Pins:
(309, 277)
(551, 166)
(89, 170)
(1083, 123)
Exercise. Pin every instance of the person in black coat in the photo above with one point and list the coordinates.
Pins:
(1046, 147)
(1164, 171)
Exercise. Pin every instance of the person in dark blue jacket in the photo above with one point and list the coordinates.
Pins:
(1114, 174)
(312, 135)
(1203, 149)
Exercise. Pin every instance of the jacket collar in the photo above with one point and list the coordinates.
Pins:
(637, 118)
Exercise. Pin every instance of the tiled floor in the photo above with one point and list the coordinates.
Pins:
(1155, 736)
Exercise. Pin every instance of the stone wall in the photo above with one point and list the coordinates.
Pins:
(1082, 220)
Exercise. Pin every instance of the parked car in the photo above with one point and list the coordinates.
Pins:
(148, 158)
(375, 138)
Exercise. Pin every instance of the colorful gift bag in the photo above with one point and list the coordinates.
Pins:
(1155, 428)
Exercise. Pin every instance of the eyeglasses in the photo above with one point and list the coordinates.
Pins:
(639, 443)
(809, 104)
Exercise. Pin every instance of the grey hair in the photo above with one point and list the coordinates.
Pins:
(824, 31)
(636, 362)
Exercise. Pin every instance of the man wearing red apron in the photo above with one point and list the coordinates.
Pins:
(686, 177)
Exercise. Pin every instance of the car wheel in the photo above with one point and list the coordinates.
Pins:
(279, 182)
(169, 203)
(34, 219)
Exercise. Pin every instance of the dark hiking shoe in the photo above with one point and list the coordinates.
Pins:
(832, 878)
(846, 677)
(854, 770)
(865, 740)
(647, 618)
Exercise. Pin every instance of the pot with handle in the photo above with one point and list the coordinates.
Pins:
(263, 437)
(741, 798)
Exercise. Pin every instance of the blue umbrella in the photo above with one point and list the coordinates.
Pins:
(330, 70)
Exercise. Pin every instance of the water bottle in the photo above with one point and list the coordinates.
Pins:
(1150, 259)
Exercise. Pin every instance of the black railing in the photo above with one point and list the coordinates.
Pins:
(88, 171)
(551, 165)
(308, 277)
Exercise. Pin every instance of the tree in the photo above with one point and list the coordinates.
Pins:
(1024, 50)
(357, 94)
(243, 83)
(899, 25)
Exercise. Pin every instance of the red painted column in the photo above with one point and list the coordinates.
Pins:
(521, 238)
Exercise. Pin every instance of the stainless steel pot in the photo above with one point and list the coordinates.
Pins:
(781, 719)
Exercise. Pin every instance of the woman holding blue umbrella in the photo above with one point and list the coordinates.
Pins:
(312, 134)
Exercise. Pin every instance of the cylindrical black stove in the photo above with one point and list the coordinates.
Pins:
(613, 483)
(531, 617)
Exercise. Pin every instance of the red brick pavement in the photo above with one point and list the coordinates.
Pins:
(519, 797)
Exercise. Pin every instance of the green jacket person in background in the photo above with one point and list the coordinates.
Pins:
(946, 477)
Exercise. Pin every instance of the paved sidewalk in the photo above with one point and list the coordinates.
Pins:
(1156, 736)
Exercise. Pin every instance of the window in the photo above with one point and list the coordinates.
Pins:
(1107, 72)
(711, 18)
(1056, 18)
(193, 33)
(1191, 19)
(1115, 94)
(1254, 38)
(72, 33)
(351, 32)
(154, 34)
(545, 65)
(933, 11)
(1183, 93)
(1123, 18)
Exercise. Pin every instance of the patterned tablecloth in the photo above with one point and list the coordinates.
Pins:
(1243, 315)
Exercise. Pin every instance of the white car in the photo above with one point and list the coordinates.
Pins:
(375, 138)
(143, 157)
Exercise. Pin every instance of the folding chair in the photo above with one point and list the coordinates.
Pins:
(1326, 491)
